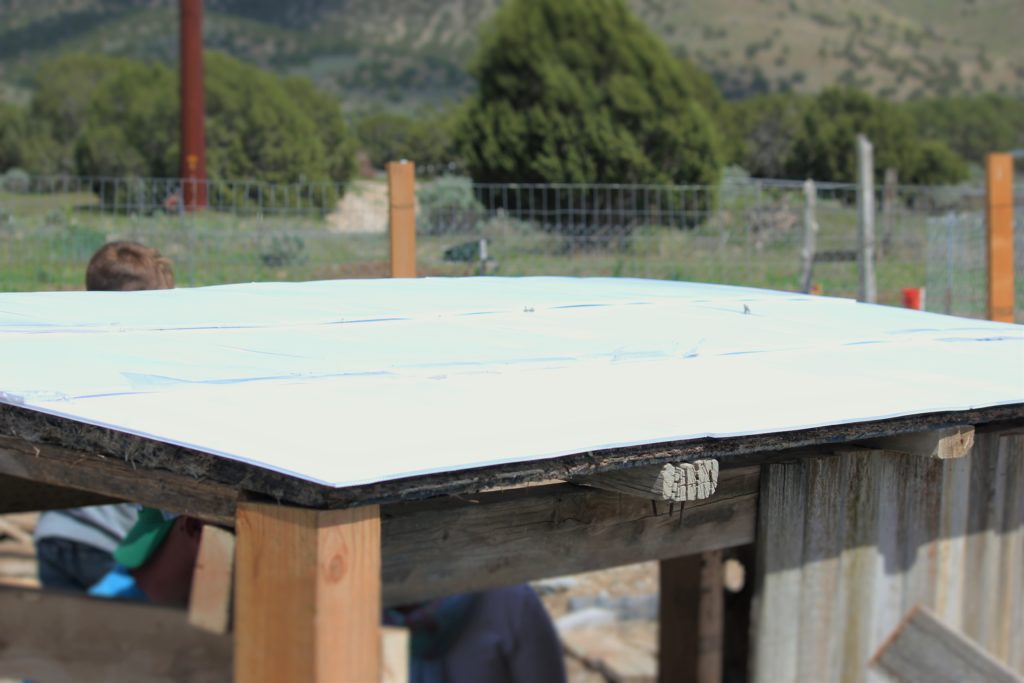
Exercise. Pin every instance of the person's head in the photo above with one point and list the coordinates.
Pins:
(128, 267)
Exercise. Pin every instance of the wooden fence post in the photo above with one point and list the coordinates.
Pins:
(866, 219)
(999, 216)
(810, 236)
(402, 217)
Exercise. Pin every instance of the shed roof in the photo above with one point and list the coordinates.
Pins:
(351, 382)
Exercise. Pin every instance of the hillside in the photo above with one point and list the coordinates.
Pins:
(405, 52)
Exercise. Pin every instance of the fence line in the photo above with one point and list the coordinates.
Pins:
(743, 231)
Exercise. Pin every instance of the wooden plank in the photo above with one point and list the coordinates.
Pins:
(209, 605)
(866, 220)
(923, 649)
(394, 649)
(999, 217)
(402, 217)
(780, 542)
(983, 547)
(66, 638)
(1007, 645)
(807, 253)
(116, 478)
(862, 569)
(307, 604)
(435, 549)
(675, 482)
(24, 495)
(691, 619)
(820, 614)
(941, 444)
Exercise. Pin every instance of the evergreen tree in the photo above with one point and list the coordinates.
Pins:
(581, 91)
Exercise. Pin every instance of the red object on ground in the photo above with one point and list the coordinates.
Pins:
(913, 297)
(193, 124)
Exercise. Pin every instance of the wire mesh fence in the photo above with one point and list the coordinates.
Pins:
(744, 231)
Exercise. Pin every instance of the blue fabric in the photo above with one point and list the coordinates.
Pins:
(118, 584)
(68, 565)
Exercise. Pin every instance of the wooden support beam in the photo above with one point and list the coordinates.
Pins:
(922, 649)
(24, 495)
(402, 217)
(114, 478)
(65, 638)
(999, 216)
(691, 619)
(942, 444)
(307, 603)
(678, 483)
(435, 549)
(209, 605)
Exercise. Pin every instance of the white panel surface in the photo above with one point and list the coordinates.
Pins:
(359, 381)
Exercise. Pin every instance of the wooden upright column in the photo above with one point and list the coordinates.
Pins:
(691, 619)
(307, 594)
(999, 215)
(402, 217)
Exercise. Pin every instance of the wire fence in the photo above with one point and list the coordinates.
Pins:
(744, 231)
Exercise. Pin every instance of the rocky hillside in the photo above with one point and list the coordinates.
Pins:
(403, 52)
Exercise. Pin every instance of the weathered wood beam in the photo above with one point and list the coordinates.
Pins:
(23, 495)
(674, 482)
(115, 478)
(65, 638)
(942, 444)
(434, 549)
(923, 649)
(209, 606)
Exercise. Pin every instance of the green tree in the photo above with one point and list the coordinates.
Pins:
(424, 137)
(826, 146)
(768, 127)
(972, 126)
(581, 91)
(338, 143)
(12, 133)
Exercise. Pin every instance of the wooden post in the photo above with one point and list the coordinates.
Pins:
(889, 190)
(402, 217)
(866, 219)
(691, 619)
(999, 214)
(308, 594)
(810, 236)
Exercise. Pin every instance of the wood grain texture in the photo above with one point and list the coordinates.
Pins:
(673, 482)
(307, 602)
(691, 619)
(943, 533)
(780, 542)
(923, 649)
(509, 537)
(64, 638)
(209, 605)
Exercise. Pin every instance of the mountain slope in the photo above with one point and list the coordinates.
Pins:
(405, 52)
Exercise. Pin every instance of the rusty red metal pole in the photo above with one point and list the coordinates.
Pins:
(193, 136)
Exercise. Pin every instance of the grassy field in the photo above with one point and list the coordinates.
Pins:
(46, 241)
